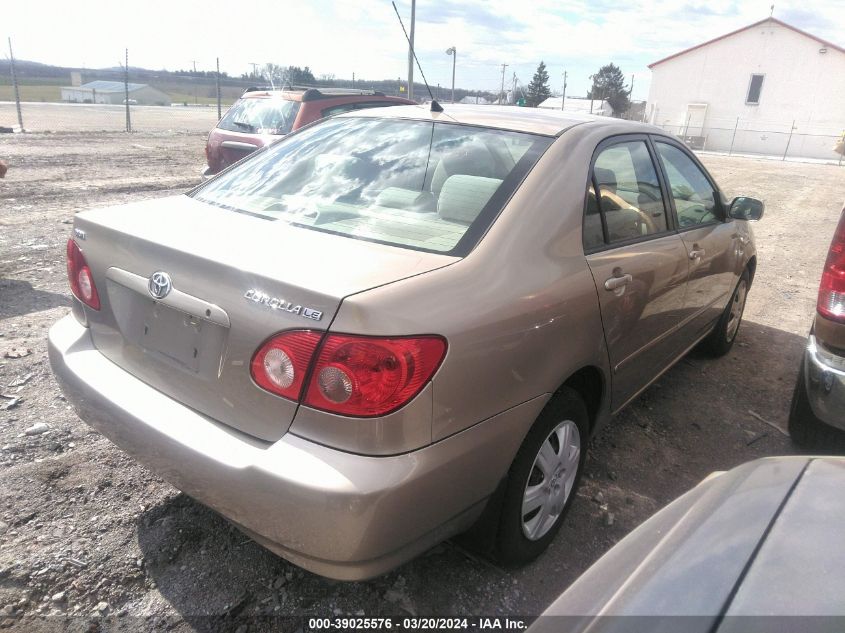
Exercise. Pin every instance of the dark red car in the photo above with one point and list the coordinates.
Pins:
(261, 116)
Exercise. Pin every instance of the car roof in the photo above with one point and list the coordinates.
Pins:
(316, 94)
(518, 119)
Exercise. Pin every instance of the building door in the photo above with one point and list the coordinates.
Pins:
(694, 119)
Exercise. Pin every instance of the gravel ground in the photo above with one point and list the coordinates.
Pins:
(86, 532)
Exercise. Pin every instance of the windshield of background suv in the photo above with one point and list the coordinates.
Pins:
(260, 116)
(422, 185)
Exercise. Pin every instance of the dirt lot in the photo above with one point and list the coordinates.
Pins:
(84, 530)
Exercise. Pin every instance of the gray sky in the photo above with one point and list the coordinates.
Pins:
(363, 36)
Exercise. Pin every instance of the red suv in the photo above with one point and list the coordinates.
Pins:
(262, 115)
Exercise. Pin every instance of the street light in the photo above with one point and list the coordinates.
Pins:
(454, 53)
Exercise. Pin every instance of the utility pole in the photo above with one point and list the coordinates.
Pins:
(195, 64)
(126, 91)
(501, 92)
(411, 51)
(353, 79)
(219, 110)
(254, 69)
(454, 53)
(563, 96)
(514, 89)
(631, 91)
(15, 84)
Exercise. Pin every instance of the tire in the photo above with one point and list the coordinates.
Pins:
(561, 427)
(720, 341)
(805, 429)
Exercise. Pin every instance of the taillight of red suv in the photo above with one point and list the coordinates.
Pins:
(356, 376)
(831, 303)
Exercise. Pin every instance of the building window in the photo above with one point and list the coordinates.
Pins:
(754, 89)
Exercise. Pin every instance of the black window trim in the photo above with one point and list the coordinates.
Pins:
(671, 223)
(720, 214)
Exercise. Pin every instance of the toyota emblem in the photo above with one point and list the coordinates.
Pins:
(160, 285)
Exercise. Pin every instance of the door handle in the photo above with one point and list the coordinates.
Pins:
(616, 282)
(696, 254)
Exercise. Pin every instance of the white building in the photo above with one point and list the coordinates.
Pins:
(744, 90)
(576, 104)
(114, 92)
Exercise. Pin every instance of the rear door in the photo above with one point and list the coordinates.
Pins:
(714, 247)
(638, 262)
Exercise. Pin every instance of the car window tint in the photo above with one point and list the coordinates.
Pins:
(695, 200)
(260, 116)
(415, 184)
(338, 109)
(629, 192)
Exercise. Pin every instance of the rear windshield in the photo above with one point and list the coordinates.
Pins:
(260, 116)
(416, 184)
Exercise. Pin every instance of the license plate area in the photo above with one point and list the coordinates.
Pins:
(177, 338)
(174, 334)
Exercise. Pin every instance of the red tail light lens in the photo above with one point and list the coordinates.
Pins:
(831, 304)
(365, 376)
(80, 278)
(281, 363)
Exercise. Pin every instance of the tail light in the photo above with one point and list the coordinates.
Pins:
(281, 363)
(831, 304)
(80, 278)
(365, 376)
(358, 376)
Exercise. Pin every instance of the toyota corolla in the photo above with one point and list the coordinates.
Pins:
(392, 324)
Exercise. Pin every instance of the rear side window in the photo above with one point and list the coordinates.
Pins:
(692, 193)
(624, 200)
(260, 116)
(358, 105)
(417, 184)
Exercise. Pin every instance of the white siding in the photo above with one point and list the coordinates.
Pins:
(800, 84)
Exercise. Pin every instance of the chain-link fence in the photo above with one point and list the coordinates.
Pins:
(106, 100)
(784, 140)
(39, 98)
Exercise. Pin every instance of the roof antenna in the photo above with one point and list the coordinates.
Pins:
(435, 107)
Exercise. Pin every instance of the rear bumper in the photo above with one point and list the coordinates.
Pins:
(334, 513)
(824, 378)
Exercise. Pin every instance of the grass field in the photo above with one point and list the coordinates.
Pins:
(180, 92)
(32, 93)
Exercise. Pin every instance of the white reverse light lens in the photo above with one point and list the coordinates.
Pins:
(279, 368)
(335, 384)
(85, 287)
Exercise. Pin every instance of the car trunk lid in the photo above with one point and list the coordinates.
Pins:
(235, 280)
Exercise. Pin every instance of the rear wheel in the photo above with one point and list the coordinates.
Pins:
(805, 429)
(543, 479)
(720, 341)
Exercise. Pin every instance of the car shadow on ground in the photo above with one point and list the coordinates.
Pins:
(20, 298)
(703, 415)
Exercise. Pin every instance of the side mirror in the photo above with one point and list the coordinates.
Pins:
(743, 208)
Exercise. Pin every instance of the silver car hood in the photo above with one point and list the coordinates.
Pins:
(763, 539)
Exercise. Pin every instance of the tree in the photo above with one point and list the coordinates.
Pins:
(538, 90)
(609, 85)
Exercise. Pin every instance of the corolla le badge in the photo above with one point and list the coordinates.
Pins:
(276, 303)
(160, 285)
